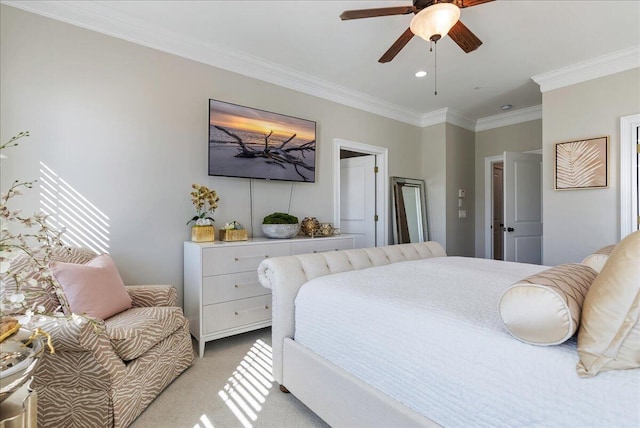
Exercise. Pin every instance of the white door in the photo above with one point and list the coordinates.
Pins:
(522, 207)
(358, 199)
(629, 174)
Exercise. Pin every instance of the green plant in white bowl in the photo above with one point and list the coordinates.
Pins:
(280, 226)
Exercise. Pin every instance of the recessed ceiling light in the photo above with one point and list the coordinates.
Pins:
(506, 107)
(421, 73)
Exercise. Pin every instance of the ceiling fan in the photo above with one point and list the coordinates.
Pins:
(425, 23)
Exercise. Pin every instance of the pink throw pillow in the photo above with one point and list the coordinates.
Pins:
(94, 288)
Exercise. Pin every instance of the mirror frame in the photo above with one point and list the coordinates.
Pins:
(397, 183)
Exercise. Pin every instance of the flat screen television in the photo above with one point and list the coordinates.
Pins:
(251, 143)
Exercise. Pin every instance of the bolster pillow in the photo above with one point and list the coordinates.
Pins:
(544, 309)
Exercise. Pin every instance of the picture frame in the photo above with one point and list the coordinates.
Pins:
(582, 164)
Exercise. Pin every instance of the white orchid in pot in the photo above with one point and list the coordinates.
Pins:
(205, 201)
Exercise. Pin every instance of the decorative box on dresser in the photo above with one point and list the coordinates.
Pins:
(222, 295)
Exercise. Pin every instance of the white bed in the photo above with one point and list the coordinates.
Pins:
(414, 343)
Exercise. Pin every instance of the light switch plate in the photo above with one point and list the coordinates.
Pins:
(462, 213)
(461, 193)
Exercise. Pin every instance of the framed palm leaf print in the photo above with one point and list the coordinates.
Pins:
(582, 164)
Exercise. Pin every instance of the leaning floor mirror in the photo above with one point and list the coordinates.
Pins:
(409, 210)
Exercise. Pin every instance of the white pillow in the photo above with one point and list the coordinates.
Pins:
(544, 308)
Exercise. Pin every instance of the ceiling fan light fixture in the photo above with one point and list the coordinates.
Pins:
(435, 21)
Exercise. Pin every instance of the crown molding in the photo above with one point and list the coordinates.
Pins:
(433, 117)
(503, 119)
(457, 118)
(447, 115)
(509, 118)
(106, 20)
(601, 66)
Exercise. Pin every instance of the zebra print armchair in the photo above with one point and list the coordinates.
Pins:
(104, 373)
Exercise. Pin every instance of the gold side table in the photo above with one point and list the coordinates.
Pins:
(20, 410)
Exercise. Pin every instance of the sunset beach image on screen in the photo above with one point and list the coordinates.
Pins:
(252, 143)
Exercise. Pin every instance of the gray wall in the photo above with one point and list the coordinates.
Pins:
(447, 165)
(434, 175)
(577, 222)
(521, 137)
(460, 175)
(125, 127)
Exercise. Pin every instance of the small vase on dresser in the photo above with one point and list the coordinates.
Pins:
(203, 233)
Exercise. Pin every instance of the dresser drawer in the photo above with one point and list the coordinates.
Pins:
(233, 286)
(320, 246)
(223, 316)
(241, 258)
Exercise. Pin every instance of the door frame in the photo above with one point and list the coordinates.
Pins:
(488, 199)
(382, 184)
(628, 186)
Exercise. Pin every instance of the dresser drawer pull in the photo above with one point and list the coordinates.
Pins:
(252, 309)
(324, 251)
(251, 257)
(251, 284)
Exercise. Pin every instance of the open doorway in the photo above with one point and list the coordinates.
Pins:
(361, 192)
(497, 209)
(493, 230)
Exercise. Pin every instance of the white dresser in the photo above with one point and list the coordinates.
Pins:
(222, 295)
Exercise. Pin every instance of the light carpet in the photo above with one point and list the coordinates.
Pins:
(231, 386)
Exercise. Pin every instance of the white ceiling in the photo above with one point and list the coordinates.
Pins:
(304, 45)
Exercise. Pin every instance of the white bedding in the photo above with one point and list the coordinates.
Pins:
(428, 333)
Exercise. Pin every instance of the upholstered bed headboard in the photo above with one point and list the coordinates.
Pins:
(285, 275)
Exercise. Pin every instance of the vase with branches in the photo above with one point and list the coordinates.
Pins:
(27, 244)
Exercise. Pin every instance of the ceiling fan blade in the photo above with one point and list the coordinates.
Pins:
(468, 3)
(396, 46)
(464, 37)
(371, 13)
